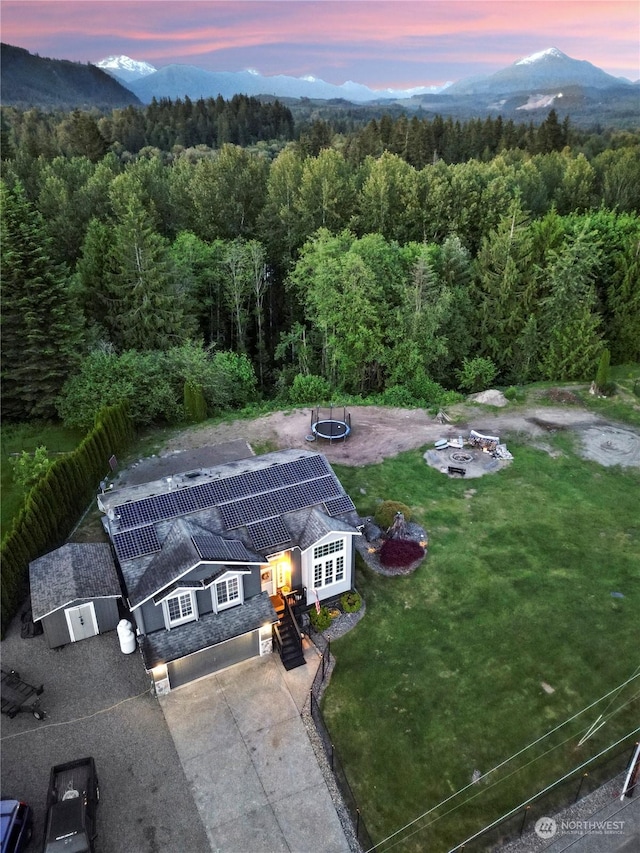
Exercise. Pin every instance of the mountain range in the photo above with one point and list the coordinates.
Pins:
(178, 81)
(525, 90)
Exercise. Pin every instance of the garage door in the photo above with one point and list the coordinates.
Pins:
(211, 660)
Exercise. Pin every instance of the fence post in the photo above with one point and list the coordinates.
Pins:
(332, 752)
(311, 702)
(357, 823)
(524, 819)
(584, 776)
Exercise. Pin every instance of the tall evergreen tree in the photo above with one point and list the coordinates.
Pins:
(146, 309)
(41, 327)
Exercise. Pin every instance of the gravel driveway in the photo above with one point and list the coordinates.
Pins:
(99, 703)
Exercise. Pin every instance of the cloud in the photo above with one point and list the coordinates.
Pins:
(408, 41)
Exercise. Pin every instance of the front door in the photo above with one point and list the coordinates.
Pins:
(266, 581)
(81, 621)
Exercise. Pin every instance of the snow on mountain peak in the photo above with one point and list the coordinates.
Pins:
(127, 65)
(550, 52)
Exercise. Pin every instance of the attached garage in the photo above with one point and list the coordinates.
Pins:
(208, 661)
(75, 592)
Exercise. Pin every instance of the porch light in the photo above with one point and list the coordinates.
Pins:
(159, 672)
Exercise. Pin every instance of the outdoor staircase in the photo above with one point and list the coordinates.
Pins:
(287, 636)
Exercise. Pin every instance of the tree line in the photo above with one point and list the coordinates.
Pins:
(361, 274)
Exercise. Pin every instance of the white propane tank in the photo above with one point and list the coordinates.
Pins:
(126, 636)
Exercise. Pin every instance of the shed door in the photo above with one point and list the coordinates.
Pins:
(81, 621)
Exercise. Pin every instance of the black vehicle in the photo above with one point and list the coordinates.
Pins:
(16, 826)
(72, 803)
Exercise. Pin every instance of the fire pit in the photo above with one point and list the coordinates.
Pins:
(461, 456)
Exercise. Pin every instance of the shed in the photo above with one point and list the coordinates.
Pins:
(75, 591)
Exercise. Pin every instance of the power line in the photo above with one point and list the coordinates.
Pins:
(617, 689)
(543, 791)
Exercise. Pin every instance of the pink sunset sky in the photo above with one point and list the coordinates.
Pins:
(379, 43)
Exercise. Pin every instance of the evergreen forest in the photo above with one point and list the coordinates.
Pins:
(188, 257)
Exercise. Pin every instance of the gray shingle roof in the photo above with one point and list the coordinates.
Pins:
(76, 571)
(179, 554)
(146, 575)
(165, 646)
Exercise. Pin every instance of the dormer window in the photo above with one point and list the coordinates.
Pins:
(180, 608)
(227, 592)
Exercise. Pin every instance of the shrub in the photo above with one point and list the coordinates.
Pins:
(386, 513)
(320, 620)
(29, 467)
(604, 371)
(351, 602)
(400, 553)
(513, 393)
(309, 389)
(476, 374)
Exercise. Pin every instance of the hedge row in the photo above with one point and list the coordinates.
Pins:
(55, 502)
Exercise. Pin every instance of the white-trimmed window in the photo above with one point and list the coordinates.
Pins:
(227, 592)
(328, 563)
(180, 608)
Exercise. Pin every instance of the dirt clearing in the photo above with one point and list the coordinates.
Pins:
(379, 432)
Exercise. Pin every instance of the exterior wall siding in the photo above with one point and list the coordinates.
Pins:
(56, 629)
(150, 617)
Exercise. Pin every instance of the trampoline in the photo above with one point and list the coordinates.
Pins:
(329, 425)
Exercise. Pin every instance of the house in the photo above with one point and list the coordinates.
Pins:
(211, 559)
(75, 592)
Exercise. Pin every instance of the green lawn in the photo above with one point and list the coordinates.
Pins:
(443, 675)
(14, 439)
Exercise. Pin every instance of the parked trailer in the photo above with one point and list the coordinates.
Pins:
(17, 695)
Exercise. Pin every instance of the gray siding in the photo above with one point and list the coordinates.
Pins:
(107, 614)
(56, 630)
(251, 582)
(296, 568)
(152, 617)
(213, 659)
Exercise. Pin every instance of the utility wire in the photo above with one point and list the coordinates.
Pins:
(77, 720)
(543, 791)
(506, 761)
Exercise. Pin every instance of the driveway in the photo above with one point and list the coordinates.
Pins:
(249, 762)
(99, 703)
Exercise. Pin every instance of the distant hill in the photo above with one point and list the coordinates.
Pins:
(543, 71)
(31, 81)
(180, 81)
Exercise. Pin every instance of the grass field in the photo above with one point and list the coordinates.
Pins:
(18, 437)
(444, 674)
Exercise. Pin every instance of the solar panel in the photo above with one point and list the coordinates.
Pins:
(286, 499)
(291, 485)
(335, 506)
(210, 547)
(135, 543)
(268, 532)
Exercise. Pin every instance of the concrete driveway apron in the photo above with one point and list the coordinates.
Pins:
(249, 761)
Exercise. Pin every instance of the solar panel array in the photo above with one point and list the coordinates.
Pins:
(244, 498)
(343, 503)
(268, 532)
(135, 543)
(257, 507)
(212, 547)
